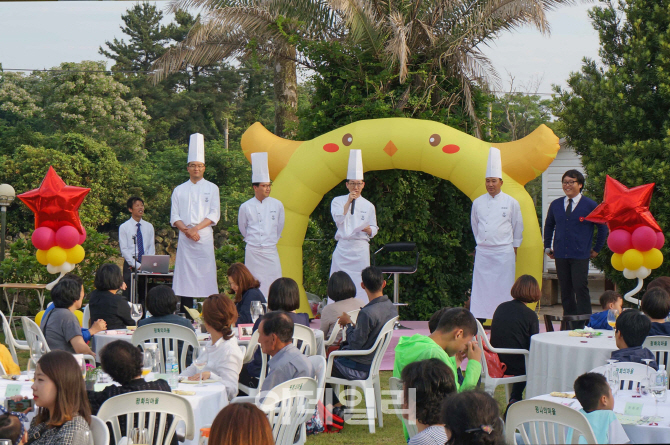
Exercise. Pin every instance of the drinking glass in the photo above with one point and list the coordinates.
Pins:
(200, 361)
(138, 436)
(612, 315)
(646, 382)
(136, 312)
(178, 307)
(256, 310)
(35, 355)
(148, 362)
(613, 376)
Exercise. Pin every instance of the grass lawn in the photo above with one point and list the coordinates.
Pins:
(391, 433)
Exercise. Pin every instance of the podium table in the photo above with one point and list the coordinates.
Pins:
(17, 288)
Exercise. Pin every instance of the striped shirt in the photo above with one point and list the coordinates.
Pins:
(433, 435)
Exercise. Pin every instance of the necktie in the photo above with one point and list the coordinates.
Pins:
(568, 211)
(140, 244)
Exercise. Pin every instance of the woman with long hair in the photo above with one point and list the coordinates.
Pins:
(241, 424)
(246, 289)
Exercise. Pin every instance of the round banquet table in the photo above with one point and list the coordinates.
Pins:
(643, 433)
(556, 360)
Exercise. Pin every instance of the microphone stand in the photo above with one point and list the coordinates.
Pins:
(133, 282)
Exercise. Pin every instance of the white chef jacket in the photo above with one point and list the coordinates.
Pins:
(497, 221)
(261, 223)
(195, 266)
(126, 244)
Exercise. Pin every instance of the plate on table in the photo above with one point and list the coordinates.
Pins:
(585, 333)
(181, 392)
(195, 382)
(131, 328)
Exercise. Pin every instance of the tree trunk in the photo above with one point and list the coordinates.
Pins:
(286, 96)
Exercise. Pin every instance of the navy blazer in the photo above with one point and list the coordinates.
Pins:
(573, 236)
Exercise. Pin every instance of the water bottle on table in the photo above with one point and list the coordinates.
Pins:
(659, 389)
(172, 370)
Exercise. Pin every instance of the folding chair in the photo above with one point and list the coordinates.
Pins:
(543, 422)
(169, 337)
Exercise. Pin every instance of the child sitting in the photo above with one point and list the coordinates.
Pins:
(12, 429)
(632, 328)
(472, 418)
(608, 300)
(656, 304)
(595, 396)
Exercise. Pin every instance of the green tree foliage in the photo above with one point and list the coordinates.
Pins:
(616, 115)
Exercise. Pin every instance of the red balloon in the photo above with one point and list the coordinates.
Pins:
(43, 238)
(67, 237)
(54, 203)
(624, 208)
(82, 237)
(660, 240)
(619, 241)
(644, 238)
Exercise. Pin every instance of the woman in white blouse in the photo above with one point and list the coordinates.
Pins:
(224, 356)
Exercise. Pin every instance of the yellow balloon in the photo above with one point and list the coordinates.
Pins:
(38, 318)
(56, 256)
(42, 257)
(653, 259)
(617, 262)
(80, 317)
(75, 255)
(632, 259)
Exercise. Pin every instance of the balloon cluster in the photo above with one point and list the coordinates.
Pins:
(59, 250)
(636, 253)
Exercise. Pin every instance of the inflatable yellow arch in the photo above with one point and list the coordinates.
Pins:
(302, 172)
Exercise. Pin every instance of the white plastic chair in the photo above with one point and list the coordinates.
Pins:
(288, 406)
(86, 319)
(12, 343)
(370, 386)
(99, 431)
(630, 373)
(168, 336)
(248, 357)
(153, 408)
(660, 346)
(337, 329)
(490, 383)
(543, 422)
(395, 384)
(34, 334)
(305, 335)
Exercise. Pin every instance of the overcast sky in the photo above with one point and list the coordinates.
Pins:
(44, 34)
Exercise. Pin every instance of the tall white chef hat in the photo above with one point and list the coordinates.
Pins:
(494, 164)
(196, 148)
(259, 168)
(355, 170)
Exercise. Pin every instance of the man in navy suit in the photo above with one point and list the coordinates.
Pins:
(573, 245)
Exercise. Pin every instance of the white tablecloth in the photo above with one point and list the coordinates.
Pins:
(556, 360)
(636, 433)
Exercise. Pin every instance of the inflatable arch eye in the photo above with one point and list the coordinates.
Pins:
(434, 140)
(347, 139)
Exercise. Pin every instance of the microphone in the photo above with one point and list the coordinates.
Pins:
(353, 204)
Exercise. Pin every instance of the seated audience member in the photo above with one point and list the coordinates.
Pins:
(63, 415)
(512, 326)
(11, 428)
(595, 396)
(342, 290)
(662, 282)
(162, 304)
(61, 327)
(608, 300)
(123, 362)
(656, 305)
(453, 335)
(104, 303)
(241, 424)
(224, 356)
(432, 381)
(246, 289)
(283, 295)
(86, 332)
(276, 340)
(632, 327)
(435, 319)
(472, 418)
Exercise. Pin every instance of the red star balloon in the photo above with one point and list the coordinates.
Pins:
(55, 204)
(624, 208)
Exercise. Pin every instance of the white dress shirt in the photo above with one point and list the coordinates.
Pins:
(261, 222)
(350, 227)
(127, 245)
(575, 201)
(497, 221)
(192, 203)
(224, 361)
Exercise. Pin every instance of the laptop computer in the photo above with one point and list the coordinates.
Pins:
(155, 264)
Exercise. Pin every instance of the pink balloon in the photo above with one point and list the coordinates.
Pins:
(43, 238)
(82, 237)
(67, 237)
(619, 241)
(644, 238)
(660, 240)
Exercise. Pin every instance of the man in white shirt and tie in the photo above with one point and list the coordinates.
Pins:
(498, 228)
(356, 222)
(196, 208)
(136, 238)
(261, 221)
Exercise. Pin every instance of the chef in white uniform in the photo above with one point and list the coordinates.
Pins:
(261, 221)
(498, 229)
(356, 223)
(196, 208)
